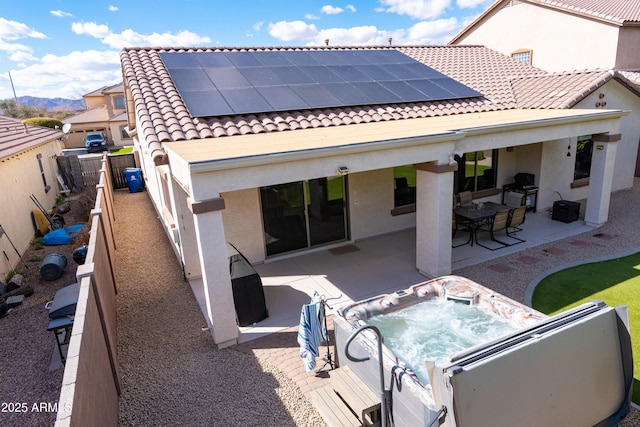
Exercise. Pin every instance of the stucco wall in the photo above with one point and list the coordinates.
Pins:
(559, 40)
(243, 223)
(116, 136)
(628, 42)
(617, 96)
(370, 205)
(20, 177)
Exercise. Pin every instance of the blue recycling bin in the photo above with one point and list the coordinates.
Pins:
(134, 179)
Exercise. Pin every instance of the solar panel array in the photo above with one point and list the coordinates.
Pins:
(227, 83)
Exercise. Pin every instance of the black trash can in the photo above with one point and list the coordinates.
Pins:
(134, 179)
(248, 293)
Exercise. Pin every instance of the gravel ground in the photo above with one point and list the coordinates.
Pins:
(30, 385)
(172, 373)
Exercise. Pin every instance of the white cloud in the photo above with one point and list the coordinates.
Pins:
(257, 26)
(292, 30)
(60, 13)
(472, 4)
(417, 9)
(113, 8)
(350, 8)
(311, 17)
(91, 29)
(356, 36)
(131, 38)
(331, 10)
(22, 56)
(68, 76)
(12, 30)
(433, 32)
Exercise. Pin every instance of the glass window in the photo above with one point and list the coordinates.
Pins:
(584, 149)
(477, 170)
(118, 102)
(523, 55)
(404, 192)
(123, 132)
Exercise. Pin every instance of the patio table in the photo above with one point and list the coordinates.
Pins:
(477, 214)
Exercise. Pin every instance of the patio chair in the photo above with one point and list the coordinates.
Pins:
(516, 219)
(496, 223)
(458, 224)
(465, 197)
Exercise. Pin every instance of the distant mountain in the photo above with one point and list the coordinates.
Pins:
(53, 104)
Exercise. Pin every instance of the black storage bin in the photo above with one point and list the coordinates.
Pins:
(565, 211)
(248, 293)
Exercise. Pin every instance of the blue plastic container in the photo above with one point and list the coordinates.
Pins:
(134, 179)
(53, 266)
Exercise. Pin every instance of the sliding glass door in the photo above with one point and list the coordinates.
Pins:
(303, 214)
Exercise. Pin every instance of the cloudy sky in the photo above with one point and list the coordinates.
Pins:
(66, 48)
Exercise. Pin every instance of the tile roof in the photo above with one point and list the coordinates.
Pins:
(616, 11)
(116, 88)
(97, 114)
(163, 117)
(16, 136)
(506, 84)
(563, 90)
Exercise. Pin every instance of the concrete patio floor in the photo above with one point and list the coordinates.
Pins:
(359, 270)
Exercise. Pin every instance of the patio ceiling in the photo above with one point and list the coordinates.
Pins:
(249, 150)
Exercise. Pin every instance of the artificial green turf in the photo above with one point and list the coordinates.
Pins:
(615, 282)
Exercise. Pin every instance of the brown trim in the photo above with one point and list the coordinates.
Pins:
(205, 206)
(402, 210)
(435, 167)
(582, 182)
(486, 193)
(606, 137)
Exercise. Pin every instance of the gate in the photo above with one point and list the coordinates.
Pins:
(118, 164)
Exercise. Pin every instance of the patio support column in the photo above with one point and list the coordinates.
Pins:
(601, 178)
(219, 307)
(434, 192)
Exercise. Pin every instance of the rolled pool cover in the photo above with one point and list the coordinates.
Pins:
(52, 266)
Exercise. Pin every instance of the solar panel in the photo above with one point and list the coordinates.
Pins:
(226, 83)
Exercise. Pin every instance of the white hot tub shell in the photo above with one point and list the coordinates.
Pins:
(573, 369)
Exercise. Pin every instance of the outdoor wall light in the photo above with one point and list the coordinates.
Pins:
(343, 170)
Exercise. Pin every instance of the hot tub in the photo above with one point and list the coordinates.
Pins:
(498, 362)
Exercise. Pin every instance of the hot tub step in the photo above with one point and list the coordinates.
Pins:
(332, 408)
(362, 401)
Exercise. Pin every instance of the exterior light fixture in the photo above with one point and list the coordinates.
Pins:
(343, 170)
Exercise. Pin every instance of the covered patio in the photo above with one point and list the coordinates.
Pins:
(370, 267)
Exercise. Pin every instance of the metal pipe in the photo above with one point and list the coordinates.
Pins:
(384, 394)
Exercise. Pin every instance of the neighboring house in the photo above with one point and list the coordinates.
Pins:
(27, 167)
(105, 113)
(561, 35)
(565, 35)
(251, 165)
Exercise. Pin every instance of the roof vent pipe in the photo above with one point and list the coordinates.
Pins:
(326, 42)
(390, 40)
